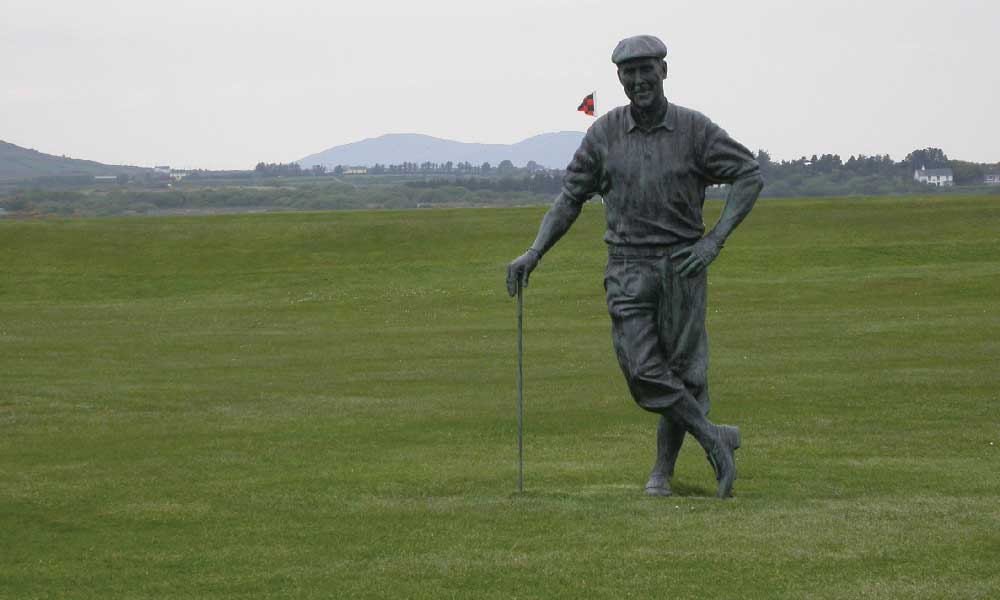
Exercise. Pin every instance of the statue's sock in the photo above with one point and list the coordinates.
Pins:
(686, 413)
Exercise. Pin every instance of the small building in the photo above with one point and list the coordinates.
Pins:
(991, 178)
(355, 170)
(938, 177)
(162, 169)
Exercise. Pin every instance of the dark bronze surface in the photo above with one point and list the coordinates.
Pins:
(651, 161)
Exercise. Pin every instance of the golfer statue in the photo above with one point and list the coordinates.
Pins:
(651, 161)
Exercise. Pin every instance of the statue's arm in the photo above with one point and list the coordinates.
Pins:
(555, 224)
(724, 161)
(742, 196)
(581, 182)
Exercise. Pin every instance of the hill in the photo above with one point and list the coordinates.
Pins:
(552, 150)
(23, 163)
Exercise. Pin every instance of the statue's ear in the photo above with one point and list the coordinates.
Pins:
(663, 65)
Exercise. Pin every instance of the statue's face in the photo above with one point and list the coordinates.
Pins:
(642, 79)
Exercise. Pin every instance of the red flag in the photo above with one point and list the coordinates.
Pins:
(587, 106)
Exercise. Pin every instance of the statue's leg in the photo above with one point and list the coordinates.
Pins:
(669, 438)
(684, 308)
(634, 288)
(719, 441)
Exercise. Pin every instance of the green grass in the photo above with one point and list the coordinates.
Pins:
(322, 405)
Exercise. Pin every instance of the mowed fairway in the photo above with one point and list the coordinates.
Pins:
(323, 406)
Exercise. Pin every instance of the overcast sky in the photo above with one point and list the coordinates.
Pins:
(225, 84)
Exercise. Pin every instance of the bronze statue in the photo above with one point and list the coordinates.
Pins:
(651, 162)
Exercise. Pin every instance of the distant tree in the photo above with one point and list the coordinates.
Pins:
(532, 166)
(764, 160)
(318, 170)
(278, 169)
(338, 170)
(827, 163)
(505, 166)
(967, 173)
(931, 158)
(485, 167)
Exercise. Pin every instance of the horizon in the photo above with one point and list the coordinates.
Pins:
(776, 159)
(227, 85)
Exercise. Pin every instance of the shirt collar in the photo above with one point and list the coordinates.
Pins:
(668, 121)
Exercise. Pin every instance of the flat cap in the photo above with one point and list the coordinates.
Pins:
(639, 46)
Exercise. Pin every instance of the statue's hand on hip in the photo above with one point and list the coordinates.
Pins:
(520, 269)
(697, 256)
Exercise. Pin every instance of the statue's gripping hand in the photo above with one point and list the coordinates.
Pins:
(520, 269)
(697, 256)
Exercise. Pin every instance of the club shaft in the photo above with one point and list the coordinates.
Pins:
(520, 389)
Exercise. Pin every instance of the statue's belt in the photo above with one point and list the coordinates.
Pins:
(647, 250)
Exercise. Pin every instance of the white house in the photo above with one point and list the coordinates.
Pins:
(938, 177)
(992, 178)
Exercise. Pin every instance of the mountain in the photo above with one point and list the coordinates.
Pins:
(552, 150)
(21, 163)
